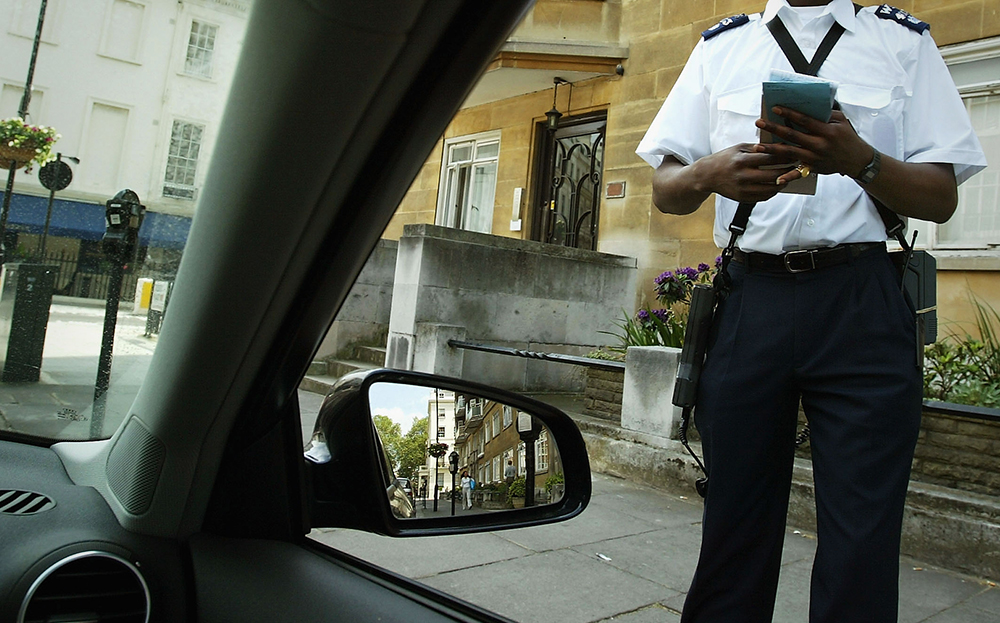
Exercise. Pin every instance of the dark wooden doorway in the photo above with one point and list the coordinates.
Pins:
(567, 193)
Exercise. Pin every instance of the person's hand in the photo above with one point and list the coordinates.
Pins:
(825, 148)
(736, 173)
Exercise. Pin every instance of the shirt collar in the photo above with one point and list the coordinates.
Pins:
(841, 10)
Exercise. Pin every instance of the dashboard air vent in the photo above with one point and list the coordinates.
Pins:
(14, 502)
(88, 587)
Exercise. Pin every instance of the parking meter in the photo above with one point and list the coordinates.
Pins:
(453, 468)
(123, 217)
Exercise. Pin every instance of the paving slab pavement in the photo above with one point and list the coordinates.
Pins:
(627, 558)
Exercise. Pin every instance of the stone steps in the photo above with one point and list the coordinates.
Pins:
(322, 375)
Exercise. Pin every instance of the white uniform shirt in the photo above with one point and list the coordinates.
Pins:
(893, 87)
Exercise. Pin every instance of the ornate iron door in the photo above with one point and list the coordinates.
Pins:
(570, 202)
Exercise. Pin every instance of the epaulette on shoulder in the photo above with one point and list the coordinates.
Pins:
(902, 17)
(726, 24)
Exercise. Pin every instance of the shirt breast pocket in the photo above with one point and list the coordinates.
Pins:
(738, 109)
(876, 114)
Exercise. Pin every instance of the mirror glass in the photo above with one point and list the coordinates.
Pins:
(450, 453)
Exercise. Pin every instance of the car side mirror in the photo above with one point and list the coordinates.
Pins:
(385, 443)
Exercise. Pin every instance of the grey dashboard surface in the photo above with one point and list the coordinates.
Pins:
(78, 520)
(256, 580)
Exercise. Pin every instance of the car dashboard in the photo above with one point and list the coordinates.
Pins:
(66, 555)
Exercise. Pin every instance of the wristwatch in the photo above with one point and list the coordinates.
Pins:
(871, 170)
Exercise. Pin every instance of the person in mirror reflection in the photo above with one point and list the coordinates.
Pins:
(509, 472)
(467, 490)
(814, 314)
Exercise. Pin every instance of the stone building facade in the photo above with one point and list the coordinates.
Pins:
(618, 60)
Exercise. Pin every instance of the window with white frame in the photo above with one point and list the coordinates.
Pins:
(24, 19)
(200, 48)
(441, 431)
(468, 182)
(10, 102)
(496, 424)
(975, 68)
(508, 415)
(486, 431)
(497, 471)
(542, 452)
(182, 160)
(976, 223)
(521, 460)
(123, 26)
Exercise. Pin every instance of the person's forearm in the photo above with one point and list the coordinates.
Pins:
(926, 191)
(676, 188)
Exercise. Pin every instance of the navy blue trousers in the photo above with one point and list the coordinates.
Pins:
(841, 340)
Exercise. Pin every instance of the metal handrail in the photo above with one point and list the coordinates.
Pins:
(600, 364)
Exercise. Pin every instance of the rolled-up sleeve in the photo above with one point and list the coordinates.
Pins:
(681, 127)
(936, 125)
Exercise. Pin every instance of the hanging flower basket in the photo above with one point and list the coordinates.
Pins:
(25, 144)
(22, 155)
(437, 450)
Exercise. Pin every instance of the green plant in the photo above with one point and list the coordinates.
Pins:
(964, 369)
(605, 355)
(15, 133)
(516, 488)
(657, 327)
(553, 480)
(437, 450)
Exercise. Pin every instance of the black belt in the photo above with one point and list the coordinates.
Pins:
(806, 259)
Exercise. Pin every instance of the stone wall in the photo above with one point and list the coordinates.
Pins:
(954, 450)
(603, 395)
(959, 453)
(364, 317)
(515, 293)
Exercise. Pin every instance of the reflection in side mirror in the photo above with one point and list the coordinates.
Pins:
(454, 453)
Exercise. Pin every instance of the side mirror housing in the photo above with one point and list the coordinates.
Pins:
(352, 472)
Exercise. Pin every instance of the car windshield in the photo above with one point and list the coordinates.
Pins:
(127, 97)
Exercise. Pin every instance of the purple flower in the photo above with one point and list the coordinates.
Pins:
(662, 314)
(689, 272)
(664, 277)
(643, 315)
(703, 267)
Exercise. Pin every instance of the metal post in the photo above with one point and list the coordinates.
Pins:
(45, 230)
(107, 346)
(437, 458)
(529, 472)
(21, 112)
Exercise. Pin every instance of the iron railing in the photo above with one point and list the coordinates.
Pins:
(600, 364)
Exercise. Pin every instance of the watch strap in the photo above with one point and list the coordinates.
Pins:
(871, 170)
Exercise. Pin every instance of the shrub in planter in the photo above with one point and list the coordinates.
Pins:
(516, 488)
(966, 369)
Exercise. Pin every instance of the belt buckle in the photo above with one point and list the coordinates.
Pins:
(789, 258)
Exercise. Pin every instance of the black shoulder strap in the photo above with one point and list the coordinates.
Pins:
(794, 54)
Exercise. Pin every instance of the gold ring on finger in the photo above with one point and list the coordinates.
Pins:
(803, 170)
